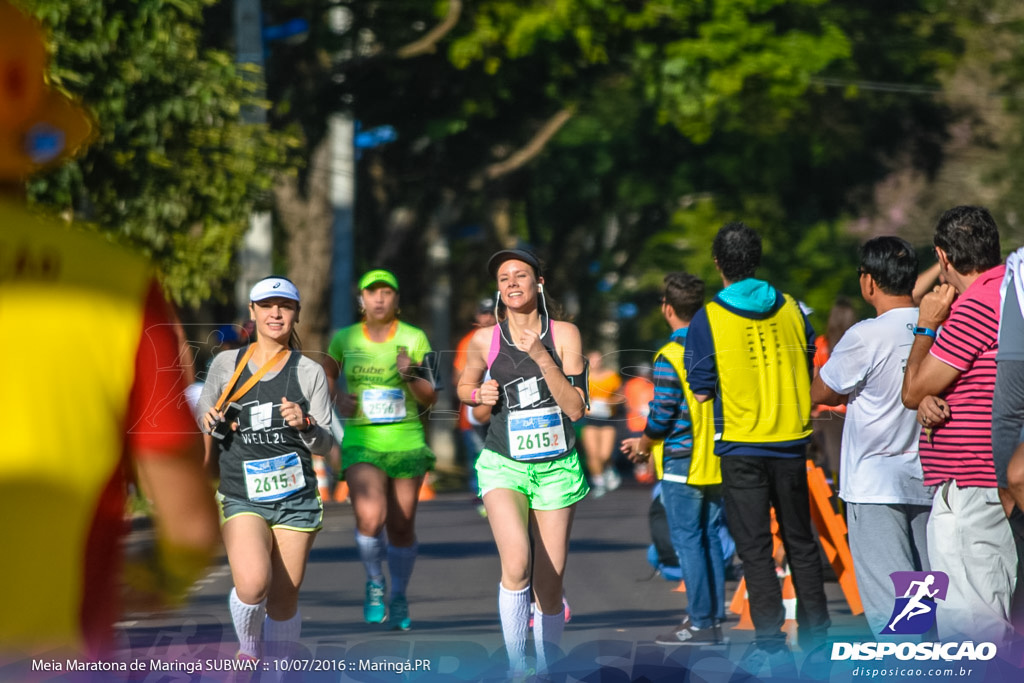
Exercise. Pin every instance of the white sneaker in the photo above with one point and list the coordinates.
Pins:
(612, 479)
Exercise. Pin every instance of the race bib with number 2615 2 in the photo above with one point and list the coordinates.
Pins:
(535, 434)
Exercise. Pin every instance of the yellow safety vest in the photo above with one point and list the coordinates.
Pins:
(764, 382)
(705, 466)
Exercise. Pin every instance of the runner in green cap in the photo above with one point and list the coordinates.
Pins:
(384, 451)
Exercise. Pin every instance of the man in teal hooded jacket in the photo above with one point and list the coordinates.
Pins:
(750, 348)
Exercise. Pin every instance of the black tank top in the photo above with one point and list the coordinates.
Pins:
(540, 431)
(265, 460)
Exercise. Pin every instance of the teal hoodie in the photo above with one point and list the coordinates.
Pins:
(756, 296)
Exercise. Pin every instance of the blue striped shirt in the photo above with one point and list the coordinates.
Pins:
(669, 416)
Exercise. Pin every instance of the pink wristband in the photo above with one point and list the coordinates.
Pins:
(472, 397)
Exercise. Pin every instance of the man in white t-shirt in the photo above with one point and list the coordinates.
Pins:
(880, 471)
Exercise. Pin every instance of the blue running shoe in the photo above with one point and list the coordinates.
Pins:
(373, 606)
(399, 613)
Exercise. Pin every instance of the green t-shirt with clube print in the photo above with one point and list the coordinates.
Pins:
(388, 417)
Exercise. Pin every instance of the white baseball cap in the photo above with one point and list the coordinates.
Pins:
(271, 287)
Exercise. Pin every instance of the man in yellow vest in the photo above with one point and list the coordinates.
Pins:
(691, 479)
(91, 386)
(750, 349)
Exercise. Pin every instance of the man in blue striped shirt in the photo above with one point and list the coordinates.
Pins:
(691, 482)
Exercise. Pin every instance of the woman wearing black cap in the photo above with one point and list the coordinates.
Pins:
(270, 505)
(529, 474)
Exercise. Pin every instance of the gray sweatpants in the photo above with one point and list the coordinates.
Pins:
(885, 538)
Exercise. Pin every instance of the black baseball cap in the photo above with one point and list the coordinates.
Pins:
(500, 257)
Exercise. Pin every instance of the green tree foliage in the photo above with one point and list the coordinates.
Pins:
(173, 171)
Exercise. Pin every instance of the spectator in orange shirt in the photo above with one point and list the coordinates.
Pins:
(598, 432)
(828, 420)
(639, 391)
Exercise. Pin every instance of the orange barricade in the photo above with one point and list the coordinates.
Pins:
(832, 534)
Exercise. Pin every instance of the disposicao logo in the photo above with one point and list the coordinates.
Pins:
(916, 594)
(914, 614)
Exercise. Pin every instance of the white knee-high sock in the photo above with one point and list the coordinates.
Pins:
(279, 636)
(547, 634)
(287, 631)
(248, 621)
(514, 609)
(371, 552)
(400, 564)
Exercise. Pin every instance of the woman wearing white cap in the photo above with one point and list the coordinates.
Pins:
(529, 473)
(268, 408)
(384, 451)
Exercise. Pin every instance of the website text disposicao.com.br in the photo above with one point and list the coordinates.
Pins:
(913, 660)
(869, 672)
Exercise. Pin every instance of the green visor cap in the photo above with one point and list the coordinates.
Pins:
(379, 275)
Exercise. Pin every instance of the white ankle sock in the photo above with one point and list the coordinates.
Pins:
(514, 609)
(248, 621)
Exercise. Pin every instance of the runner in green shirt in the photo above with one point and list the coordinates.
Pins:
(384, 452)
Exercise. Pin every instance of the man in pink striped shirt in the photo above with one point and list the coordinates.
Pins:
(949, 379)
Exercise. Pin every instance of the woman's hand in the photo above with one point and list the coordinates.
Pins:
(403, 363)
(213, 418)
(488, 393)
(529, 341)
(294, 416)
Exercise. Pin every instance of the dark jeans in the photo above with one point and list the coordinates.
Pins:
(752, 485)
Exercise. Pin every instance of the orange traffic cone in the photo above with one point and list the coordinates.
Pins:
(741, 606)
(323, 481)
(340, 492)
(426, 490)
(681, 588)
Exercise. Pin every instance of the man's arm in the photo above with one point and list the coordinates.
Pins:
(699, 359)
(926, 375)
(167, 451)
(823, 394)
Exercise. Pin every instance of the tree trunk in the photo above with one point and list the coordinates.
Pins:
(307, 224)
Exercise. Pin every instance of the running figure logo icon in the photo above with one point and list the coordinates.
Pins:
(916, 593)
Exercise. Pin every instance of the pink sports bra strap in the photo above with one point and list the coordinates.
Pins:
(495, 346)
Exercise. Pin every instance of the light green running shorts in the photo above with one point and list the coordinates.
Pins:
(551, 485)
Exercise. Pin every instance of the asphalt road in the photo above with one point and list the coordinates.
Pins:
(617, 609)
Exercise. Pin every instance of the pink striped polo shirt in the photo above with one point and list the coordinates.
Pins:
(961, 449)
